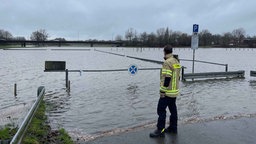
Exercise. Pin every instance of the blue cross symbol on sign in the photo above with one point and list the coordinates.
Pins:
(133, 69)
(195, 28)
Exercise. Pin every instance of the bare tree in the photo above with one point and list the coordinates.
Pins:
(119, 38)
(143, 37)
(174, 38)
(5, 35)
(239, 35)
(184, 40)
(205, 38)
(227, 39)
(39, 35)
(167, 36)
(160, 36)
(135, 37)
(129, 34)
(152, 40)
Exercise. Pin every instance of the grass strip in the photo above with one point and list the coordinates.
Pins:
(40, 132)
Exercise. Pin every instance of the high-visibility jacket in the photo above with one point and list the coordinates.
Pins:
(170, 70)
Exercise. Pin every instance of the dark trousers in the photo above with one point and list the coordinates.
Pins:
(161, 111)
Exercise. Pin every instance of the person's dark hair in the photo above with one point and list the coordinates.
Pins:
(168, 49)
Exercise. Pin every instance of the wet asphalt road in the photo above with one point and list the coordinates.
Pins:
(237, 131)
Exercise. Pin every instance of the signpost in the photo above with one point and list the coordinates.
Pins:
(194, 43)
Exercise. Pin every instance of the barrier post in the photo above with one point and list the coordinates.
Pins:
(226, 67)
(66, 78)
(69, 86)
(15, 89)
(182, 73)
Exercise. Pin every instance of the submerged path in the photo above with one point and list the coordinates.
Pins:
(147, 60)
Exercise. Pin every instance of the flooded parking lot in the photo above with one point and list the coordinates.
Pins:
(100, 102)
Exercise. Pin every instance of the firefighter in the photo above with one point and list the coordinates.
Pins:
(169, 90)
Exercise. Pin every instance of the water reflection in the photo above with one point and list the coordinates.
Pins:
(58, 103)
(169, 138)
(133, 94)
(252, 83)
(132, 89)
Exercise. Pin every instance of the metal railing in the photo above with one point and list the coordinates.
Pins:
(143, 59)
(102, 70)
(213, 63)
(207, 75)
(22, 129)
(161, 62)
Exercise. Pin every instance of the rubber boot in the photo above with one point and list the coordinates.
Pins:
(157, 133)
(171, 130)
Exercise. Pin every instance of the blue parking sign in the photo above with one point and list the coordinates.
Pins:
(195, 28)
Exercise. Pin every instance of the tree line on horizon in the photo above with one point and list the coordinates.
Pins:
(164, 36)
(38, 35)
(161, 37)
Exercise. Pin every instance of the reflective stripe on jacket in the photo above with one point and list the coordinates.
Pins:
(171, 68)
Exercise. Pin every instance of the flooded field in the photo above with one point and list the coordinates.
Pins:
(101, 103)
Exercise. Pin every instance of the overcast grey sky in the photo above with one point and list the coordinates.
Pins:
(104, 19)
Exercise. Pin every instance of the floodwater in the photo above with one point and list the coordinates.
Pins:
(108, 102)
